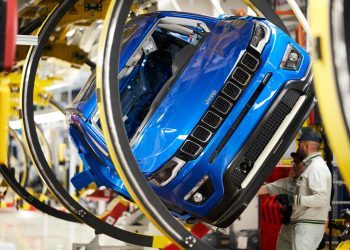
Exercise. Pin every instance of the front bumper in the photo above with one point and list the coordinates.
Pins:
(262, 151)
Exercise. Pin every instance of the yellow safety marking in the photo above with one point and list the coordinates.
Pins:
(325, 86)
(123, 201)
(160, 241)
(104, 214)
(26, 206)
(62, 147)
(43, 197)
(163, 240)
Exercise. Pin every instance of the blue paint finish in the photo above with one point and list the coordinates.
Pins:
(86, 106)
(104, 175)
(167, 133)
(184, 104)
(144, 27)
(188, 177)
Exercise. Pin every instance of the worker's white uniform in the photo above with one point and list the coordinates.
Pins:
(311, 199)
(284, 186)
(311, 204)
(284, 240)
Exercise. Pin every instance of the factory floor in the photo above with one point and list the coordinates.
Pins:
(32, 230)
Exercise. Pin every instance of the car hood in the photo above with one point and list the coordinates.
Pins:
(191, 94)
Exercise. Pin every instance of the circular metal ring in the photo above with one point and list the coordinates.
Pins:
(114, 131)
(26, 160)
(331, 75)
(37, 156)
(19, 187)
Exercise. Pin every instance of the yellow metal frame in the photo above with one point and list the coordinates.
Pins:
(13, 82)
(325, 86)
(158, 241)
(161, 241)
(4, 117)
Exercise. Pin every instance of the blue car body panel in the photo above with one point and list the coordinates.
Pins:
(165, 133)
(193, 91)
(187, 177)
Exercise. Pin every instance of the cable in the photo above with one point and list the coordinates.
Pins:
(58, 106)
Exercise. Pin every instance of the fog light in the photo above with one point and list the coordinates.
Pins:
(198, 197)
(291, 59)
(201, 192)
(245, 165)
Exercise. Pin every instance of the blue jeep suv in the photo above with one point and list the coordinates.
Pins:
(209, 105)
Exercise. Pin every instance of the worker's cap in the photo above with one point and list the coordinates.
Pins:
(310, 136)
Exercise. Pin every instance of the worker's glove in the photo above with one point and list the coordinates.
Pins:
(286, 212)
(285, 199)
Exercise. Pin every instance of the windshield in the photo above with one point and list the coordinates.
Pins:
(85, 93)
(155, 64)
(130, 29)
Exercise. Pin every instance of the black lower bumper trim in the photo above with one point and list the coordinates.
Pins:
(236, 198)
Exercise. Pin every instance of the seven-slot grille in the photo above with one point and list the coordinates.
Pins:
(250, 61)
(241, 76)
(201, 133)
(231, 90)
(212, 119)
(192, 147)
(221, 106)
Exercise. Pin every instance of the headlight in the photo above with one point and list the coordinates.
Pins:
(291, 59)
(260, 36)
(166, 173)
